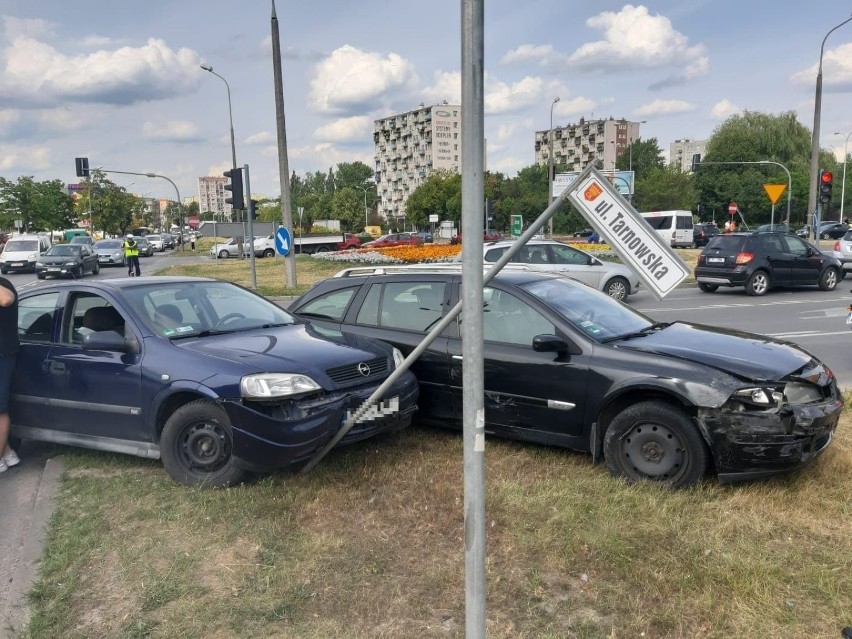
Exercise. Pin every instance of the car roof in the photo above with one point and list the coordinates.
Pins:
(118, 284)
(513, 273)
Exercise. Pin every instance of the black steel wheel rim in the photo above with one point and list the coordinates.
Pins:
(204, 446)
(654, 451)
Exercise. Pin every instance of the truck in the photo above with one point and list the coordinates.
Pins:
(310, 244)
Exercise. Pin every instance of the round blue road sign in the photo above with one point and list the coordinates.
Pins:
(283, 241)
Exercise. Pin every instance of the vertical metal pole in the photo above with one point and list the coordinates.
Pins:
(283, 168)
(473, 199)
(250, 209)
(843, 184)
(550, 165)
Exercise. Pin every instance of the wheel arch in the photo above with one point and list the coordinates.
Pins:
(169, 400)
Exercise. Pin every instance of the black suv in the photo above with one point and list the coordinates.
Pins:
(703, 233)
(567, 365)
(760, 261)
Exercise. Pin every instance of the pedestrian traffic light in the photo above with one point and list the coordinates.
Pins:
(825, 185)
(82, 167)
(236, 188)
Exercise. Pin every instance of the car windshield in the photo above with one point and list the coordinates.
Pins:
(153, 238)
(594, 313)
(63, 249)
(21, 245)
(108, 244)
(198, 309)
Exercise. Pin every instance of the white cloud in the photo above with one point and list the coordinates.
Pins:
(836, 70)
(95, 41)
(351, 80)
(545, 55)
(511, 98)
(31, 27)
(216, 170)
(724, 109)
(324, 155)
(35, 73)
(508, 165)
(345, 130)
(574, 106)
(24, 159)
(664, 107)
(261, 137)
(446, 86)
(176, 131)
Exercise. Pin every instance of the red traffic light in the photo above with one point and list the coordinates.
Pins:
(826, 177)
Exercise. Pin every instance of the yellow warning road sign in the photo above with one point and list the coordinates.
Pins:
(774, 191)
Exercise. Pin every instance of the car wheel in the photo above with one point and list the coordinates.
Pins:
(828, 280)
(655, 441)
(223, 254)
(96, 269)
(321, 249)
(4, 271)
(707, 288)
(197, 446)
(824, 236)
(268, 253)
(617, 288)
(40, 276)
(758, 283)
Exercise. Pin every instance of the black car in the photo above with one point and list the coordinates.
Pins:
(760, 261)
(832, 230)
(67, 260)
(570, 366)
(214, 379)
(703, 233)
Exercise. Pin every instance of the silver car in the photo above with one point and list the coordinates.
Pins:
(843, 252)
(110, 252)
(156, 242)
(616, 280)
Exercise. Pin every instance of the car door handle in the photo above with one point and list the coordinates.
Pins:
(56, 367)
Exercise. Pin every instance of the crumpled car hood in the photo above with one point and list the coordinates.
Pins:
(746, 355)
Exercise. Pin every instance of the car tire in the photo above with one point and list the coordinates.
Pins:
(617, 288)
(658, 442)
(40, 276)
(197, 446)
(708, 288)
(223, 254)
(823, 236)
(96, 269)
(322, 249)
(758, 283)
(268, 253)
(828, 280)
(4, 271)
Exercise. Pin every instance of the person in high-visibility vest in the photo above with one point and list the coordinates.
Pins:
(131, 254)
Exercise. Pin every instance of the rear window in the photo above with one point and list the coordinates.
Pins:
(727, 244)
(848, 236)
(660, 223)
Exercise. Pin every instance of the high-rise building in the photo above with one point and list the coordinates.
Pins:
(575, 145)
(211, 196)
(411, 146)
(682, 151)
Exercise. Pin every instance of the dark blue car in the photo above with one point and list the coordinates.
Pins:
(211, 378)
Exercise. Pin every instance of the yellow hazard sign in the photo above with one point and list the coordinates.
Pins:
(774, 191)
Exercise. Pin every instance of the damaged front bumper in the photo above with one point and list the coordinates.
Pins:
(750, 444)
(286, 434)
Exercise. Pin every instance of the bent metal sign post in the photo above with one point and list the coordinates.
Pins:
(626, 231)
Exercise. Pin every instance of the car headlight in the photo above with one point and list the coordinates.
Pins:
(760, 396)
(71, 263)
(268, 385)
(398, 357)
(117, 255)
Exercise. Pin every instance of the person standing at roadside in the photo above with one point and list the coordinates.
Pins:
(8, 354)
(131, 254)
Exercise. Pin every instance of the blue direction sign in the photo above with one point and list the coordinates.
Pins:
(283, 241)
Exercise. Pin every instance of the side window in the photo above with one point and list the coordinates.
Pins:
(492, 255)
(796, 246)
(413, 306)
(511, 320)
(567, 255)
(369, 311)
(332, 305)
(35, 317)
(87, 313)
(684, 222)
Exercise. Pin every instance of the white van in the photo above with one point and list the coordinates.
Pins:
(675, 227)
(21, 252)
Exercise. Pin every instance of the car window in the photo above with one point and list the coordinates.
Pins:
(332, 305)
(568, 255)
(772, 244)
(683, 222)
(413, 306)
(660, 223)
(88, 313)
(507, 318)
(796, 246)
(35, 317)
(21, 245)
(492, 255)
(726, 244)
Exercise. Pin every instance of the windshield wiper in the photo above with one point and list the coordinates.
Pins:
(640, 333)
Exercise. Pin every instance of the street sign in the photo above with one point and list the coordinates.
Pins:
(517, 225)
(628, 234)
(774, 191)
(732, 208)
(621, 180)
(433, 218)
(283, 241)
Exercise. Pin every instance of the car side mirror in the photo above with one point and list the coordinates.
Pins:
(109, 341)
(554, 344)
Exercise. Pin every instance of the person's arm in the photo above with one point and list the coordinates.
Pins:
(7, 296)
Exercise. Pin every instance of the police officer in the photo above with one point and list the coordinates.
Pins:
(131, 254)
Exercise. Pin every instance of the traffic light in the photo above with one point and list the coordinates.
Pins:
(82, 167)
(236, 188)
(696, 162)
(252, 209)
(825, 185)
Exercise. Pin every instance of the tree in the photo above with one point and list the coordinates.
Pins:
(41, 206)
(347, 206)
(439, 195)
(641, 155)
(664, 188)
(352, 174)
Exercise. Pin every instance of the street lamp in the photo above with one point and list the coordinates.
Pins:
(550, 164)
(812, 194)
(364, 188)
(207, 67)
(843, 184)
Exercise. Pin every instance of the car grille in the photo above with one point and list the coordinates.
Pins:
(353, 373)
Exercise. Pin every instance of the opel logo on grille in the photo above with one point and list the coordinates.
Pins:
(363, 369)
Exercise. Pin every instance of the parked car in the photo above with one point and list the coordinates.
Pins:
(211, 378)
(426, 236)
(110, 252)
(394, 239)
(594, 238)
(230, 248)
(583, 233)
(145, 248)
(832, 230)
(67, 260)
(156, 242)
(82, 239)
(760, 261)
(613, 278)
(566, 365)
(703, 233)
(843, 253)
(768, 228)
(22, 252)
(804, 231)
(264, 246)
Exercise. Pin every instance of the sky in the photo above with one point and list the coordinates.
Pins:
(120, 82)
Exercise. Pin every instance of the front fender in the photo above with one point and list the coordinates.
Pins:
(164, 403)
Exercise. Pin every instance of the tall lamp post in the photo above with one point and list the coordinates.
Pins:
(364, 188)
(812, 193)
(550, 164)
(209, 68)
(843, 184)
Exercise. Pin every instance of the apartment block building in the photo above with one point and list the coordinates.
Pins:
(411, 146)
(212, 194)
(576, 145)
(681, 152)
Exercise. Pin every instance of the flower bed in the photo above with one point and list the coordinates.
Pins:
(425, 253)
